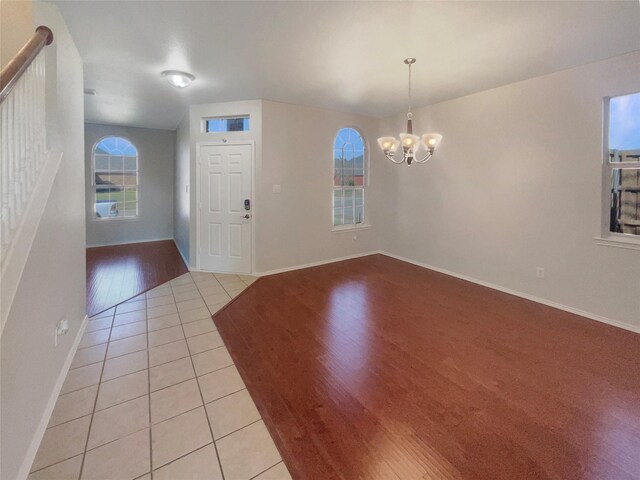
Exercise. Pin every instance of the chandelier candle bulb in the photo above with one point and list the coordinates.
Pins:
(388, 144)
(431, 140)
(410, 143)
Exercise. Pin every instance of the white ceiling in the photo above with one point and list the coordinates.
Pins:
(340, 55)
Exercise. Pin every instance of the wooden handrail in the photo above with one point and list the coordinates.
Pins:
(12, 72)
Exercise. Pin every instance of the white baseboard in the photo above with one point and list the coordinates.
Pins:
(315, 264)
(128, 243)
(549, 303)
(46, 415)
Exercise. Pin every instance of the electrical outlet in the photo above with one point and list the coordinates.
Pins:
(540, 272)
(62, 328)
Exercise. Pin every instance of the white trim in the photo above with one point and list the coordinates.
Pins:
(607, 237)
(30, 456)
(549, 303)
(17, 254)
(316, 264)
(619, 242)
(128, 242)
(184, 259)
(366, 180)
(223, 142)
(94, 217)
(351, 228)
(115, 219)
(225, 273)
(203, 124)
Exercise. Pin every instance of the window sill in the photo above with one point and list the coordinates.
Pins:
(115, 219)
(351, 228)
(619, 242)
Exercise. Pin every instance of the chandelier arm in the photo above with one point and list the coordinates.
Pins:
(390, 157)
(425, 159)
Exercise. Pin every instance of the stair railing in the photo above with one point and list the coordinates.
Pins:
(23, 137)
(27, 165)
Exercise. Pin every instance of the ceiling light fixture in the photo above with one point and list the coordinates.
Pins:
(410, 142)
(177, 78)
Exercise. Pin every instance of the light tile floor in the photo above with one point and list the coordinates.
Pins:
(152, 393)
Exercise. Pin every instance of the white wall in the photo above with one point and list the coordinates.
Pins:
(181, 195)
(516, 184)
(53, 282)
(253, 108)
(295, 226)
(294, 149)
(16, 28)
(156, 152)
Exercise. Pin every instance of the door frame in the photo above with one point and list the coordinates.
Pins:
(222, 143)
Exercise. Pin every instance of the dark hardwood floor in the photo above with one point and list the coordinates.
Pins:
(377, 369)
(120, 272)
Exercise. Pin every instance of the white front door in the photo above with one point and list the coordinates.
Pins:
(225, 208)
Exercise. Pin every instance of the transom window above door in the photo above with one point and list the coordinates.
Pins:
(349, 178)
(227, 124)
(115, 178)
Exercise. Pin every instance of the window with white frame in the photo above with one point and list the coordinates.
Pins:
(115, 178)
(226, 124)
(622, 165)
(349, 178)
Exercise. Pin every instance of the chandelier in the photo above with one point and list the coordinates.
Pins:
(410, 143)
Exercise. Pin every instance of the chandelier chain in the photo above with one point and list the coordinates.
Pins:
(409, 88)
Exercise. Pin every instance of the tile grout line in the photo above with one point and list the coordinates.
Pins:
(266, 470)
(98, 385)
(117, 439)
(78, 389)
(237, 429)
(181, 413)
(148, 346)
(228, 394)
(170, 288)
(149, 388)
(125, 374)
(220, 303)
(186, 454)
(215, 447)
(217, 369)
(95, 401)
(233, 297)
(103, 409)
(59, 461)
(154, 391)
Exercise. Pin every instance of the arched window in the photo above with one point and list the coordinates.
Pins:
(115, 178)
(349, 178)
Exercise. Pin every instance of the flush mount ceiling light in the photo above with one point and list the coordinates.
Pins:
(177, 78)
(410, 143)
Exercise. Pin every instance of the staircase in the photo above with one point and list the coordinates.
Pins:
(27, 166)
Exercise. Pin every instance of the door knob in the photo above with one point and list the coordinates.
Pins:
(246, 216)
